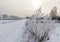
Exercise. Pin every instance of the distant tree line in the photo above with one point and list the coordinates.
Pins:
(54, 14)
(9, 17)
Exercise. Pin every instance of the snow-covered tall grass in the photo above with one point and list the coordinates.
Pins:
(38, 30)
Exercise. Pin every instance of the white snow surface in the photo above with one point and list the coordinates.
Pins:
(55, 36)
(13, 31)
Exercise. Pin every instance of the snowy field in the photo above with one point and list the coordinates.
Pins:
(12, 31)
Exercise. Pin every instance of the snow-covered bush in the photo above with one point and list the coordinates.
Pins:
(37, 30)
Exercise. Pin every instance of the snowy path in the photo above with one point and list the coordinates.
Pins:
(12, 32)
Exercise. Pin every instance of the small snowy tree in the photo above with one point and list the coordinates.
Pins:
(38, 13)
(53, 13)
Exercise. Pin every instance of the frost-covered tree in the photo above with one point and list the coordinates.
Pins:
(53, 13)
(38, 13)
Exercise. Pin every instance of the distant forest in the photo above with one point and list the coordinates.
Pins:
(8, 17)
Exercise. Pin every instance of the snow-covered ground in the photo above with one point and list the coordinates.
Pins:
(55, 36)
(12, 31)
(6, 21)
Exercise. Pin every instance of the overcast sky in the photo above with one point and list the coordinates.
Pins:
(26, 7)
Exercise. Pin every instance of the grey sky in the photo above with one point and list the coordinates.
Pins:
(25, 7)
